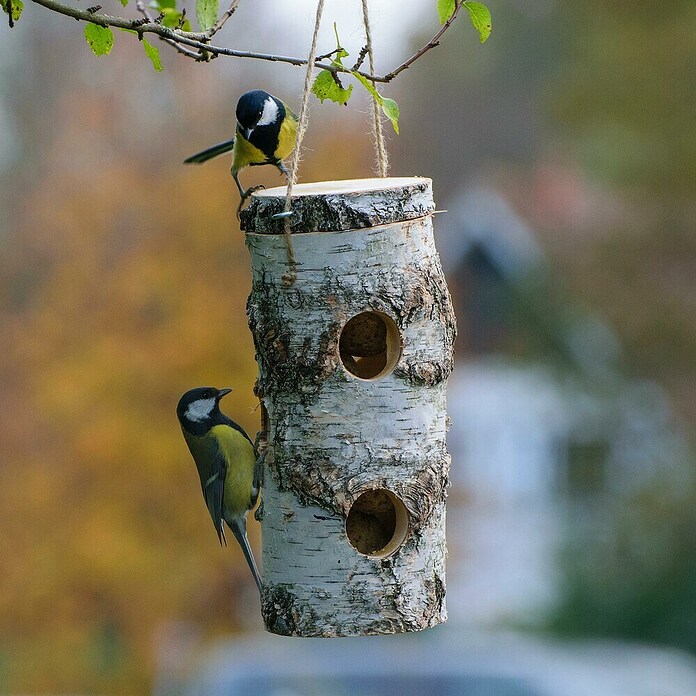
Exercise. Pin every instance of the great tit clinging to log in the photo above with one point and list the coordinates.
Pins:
(266, 132)
(225, 458)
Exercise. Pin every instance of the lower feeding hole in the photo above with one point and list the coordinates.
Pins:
(377, 523)
(370, 345)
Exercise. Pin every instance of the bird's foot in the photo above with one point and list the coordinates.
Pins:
(246, 195)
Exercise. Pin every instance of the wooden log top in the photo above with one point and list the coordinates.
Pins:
(340, 205)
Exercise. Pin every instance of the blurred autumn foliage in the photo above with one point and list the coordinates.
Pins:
(120, 287)
(113, 304)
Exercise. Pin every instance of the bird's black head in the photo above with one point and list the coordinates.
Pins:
(199, 408)
(259, 109)
(251, 105)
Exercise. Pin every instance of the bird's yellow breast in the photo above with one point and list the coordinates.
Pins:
(245, 154)
(286, 138)
(239, 453)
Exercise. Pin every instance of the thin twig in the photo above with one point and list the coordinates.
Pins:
(324, 56)
(140, 6)
(182, 19)
(223, 18)
(361, 59)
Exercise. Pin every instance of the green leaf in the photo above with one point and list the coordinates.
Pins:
(207, 13)
(391, 111)
(163, 4)
(445, 9)
(124, 2)
(388, 106)
(152, 53)
(480, 17)
(325, 87)
(100, 39)
(17, 7)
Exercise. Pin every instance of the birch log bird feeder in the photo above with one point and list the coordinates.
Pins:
(353, 360)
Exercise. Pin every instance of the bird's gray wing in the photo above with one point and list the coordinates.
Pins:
(212, 469)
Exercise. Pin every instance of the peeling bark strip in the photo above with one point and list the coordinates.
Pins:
(353, 362)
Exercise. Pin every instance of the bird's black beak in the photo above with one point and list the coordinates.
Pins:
(223, 392)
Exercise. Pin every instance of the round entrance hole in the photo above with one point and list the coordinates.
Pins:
(370, 345)
(377, 523)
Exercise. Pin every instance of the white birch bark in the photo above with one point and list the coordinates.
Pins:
(361, 246)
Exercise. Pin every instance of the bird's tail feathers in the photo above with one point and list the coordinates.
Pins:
(210, 153)
(238, 527)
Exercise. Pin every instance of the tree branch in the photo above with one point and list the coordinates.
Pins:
(223, 18)
(201, 40)
(105, 20)
(196, 55)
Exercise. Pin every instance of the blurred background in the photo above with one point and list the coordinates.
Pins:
(564, 153)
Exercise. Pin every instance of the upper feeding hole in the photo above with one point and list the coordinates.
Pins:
(370, 345)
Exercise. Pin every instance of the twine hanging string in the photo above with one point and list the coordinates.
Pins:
(291, 275)
(303, 119)
(377, 126)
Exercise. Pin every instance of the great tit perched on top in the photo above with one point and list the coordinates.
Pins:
(225, 458)
(266, 132)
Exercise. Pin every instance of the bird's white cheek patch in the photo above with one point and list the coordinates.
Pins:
(199, 410)
(269, 113)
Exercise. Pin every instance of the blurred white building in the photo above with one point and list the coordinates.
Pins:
(543, 421)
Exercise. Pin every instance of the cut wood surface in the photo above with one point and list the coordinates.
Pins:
(340, 205)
